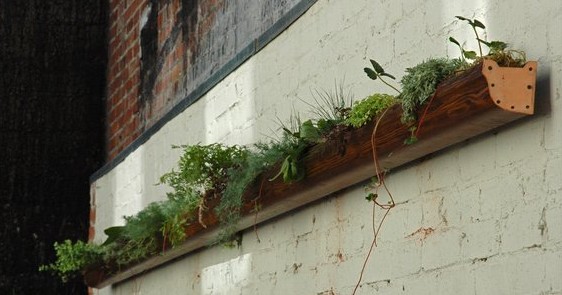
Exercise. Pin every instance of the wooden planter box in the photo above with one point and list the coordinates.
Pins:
(476, 101)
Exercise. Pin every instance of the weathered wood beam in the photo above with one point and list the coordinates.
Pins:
(476, 101)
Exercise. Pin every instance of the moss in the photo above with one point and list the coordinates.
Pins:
(369, 108)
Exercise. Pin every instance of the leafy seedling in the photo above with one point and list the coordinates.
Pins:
(495, 46)
(474, 23)
(371, 197)
(290, 170)
(466, 54)
(377, 72)
(309, 132)
(497, 49)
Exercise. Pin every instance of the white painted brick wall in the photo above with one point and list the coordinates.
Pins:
(482, 217)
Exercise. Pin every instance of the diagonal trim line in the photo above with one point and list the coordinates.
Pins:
(250, 50)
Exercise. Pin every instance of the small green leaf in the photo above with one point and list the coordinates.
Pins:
(453, 40)
(462, 18)
(483, 42)
(309, 132)
(388, 75)
(371, 73)
(287, 173)
(477, 23)
(470, 54)
(286, 168)
(497, 45)
(410, 140)
(323, 125)
(371, 197)
(113, 234)
(290, 169)
(377, 67)
(294, 171)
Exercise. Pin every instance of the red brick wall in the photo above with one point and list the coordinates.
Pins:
(161, 50)
(133, 104)
(123, 105)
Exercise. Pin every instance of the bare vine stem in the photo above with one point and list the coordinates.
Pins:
(386, 207)
(256, 209)
(388, 84)
(425, 112)
(477, 39)
(202, 207)
(164, 234)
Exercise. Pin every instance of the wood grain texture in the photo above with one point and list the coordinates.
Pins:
(462, 108)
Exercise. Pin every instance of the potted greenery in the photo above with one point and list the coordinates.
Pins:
(218, 190)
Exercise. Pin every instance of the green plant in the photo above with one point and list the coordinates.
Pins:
(179, 211)
(498, 49)
(146, 233)
(420, 82)
(202, 175)
(260, 158)
(412, 138)
(73, 258)
(139, 238)
(288, 152)
(365, 110)
(331, 109)
(226, 172)
(474, 24)
(202, 168)
(293, 145)
(377, 72)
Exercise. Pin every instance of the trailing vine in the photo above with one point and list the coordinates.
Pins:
(419, 86)
(373, 196)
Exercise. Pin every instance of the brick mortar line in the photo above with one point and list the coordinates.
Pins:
(556, 247)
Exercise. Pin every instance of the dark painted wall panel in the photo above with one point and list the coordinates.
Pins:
(52, 82)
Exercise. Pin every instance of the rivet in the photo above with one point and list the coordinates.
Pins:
(493, 85)
(490, 68)
(512, 107)
(529, 87)
(530, 68)
(498, 101)
(527, 107)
